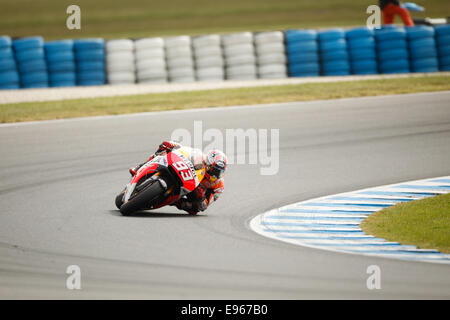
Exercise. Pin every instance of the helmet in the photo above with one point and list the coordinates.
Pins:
(216, 164)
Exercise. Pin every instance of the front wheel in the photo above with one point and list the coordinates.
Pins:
(143, 199)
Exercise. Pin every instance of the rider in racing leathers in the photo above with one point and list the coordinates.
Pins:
(209, 189)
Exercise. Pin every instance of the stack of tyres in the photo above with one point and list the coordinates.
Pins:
(9, 77)
(150, 60)
(270, 55)
(334, 60)
(60, 63)
(392, 50)
(422, 49)
(208, 58)
(90, 61)
(361, 49)
(443, 43)
(120, 67)
(302, 53)
(30, 58)
(239, 52)
(180, 63)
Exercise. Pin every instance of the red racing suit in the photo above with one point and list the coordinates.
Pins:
(198, 200)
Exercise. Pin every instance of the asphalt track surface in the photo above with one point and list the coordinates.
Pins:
(59, 179)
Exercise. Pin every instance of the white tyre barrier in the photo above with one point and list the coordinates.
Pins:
(150, 60)
(149, 74)
(212, 40)
(239, 53)
(269, 37)
(241, 70)
(209, 62)
(180, 63)
(121, 77)
(148, 44)
(179, 41)
(271, 56)
(150, 54)
(120, 65)
(119, 45)
(240, 49)
(237, 38)
(208, 51)
(210, 74)
(245, 59)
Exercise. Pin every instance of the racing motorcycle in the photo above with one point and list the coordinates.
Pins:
(162, 181)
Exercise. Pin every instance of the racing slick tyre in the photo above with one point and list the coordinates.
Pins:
(142, 200)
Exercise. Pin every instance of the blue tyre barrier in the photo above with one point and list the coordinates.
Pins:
(7, 64)
(88, 44)
(420, 53)
(334, 55)
(90, 61)
(28, 43)
(442, 30)
(304, 46)
(58, 46)
(387, 34)
(330, 35)
(293, 36)
(9, 77)
(336, 66)
(387, 45)
(395, 66)
(34, 79)
(65, 66)
(304, 69)
(361, 43)
(444, 50)
(339, 44)
(62, 56)
(62, 77)
(362, 54)
(302, 53)
(91, 55)
(421, 65)
(33, 66)
(393, 54)
(303, 57)
(334, 58)
(364, 67)
(30, 54)
(5, 42)
(443, 40)
(359, 33)
(445, 61)
(90, 65)
(422, 43)
(419, 32)
(91, 76)
(9, 86)
(6, 53)
(31, 63)
(61, 63)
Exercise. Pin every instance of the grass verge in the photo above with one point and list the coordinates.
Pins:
(139, 18)
(423, 223)
(31, 111)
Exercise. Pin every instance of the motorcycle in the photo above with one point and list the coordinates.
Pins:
(162, 181)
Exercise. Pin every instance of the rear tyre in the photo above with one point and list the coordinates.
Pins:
(143, 199)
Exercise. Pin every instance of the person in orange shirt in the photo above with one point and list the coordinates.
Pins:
(391, 8)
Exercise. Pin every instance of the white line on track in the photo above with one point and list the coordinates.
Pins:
(332, 222)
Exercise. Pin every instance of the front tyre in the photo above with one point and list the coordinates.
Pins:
(143, 199)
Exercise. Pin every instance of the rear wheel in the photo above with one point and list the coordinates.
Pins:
(143, 199)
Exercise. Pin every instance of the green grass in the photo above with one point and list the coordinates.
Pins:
(17, 112)
(423, 223)
(138, 18)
